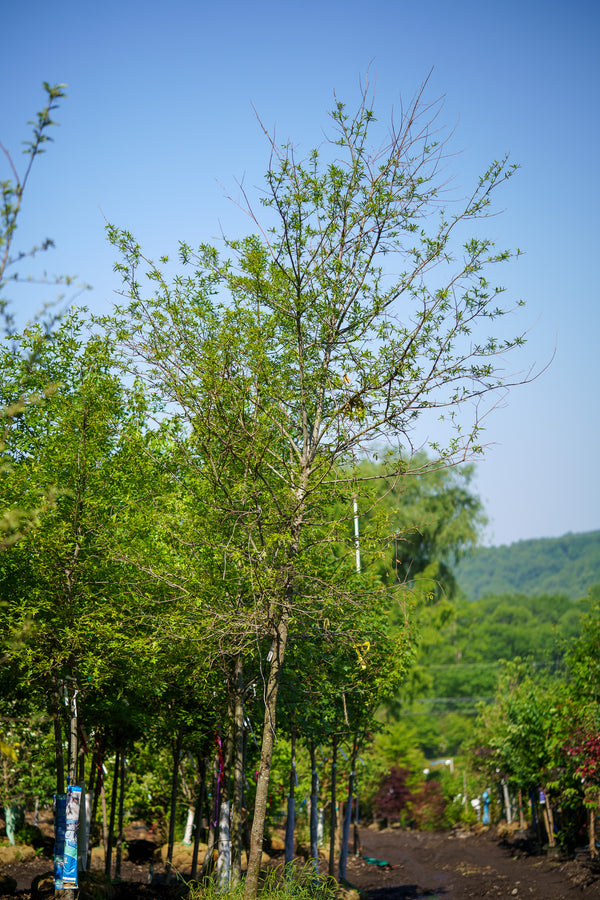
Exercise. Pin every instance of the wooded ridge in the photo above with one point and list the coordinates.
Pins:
(566, 565)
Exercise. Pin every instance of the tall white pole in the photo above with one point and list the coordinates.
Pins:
(356, 536)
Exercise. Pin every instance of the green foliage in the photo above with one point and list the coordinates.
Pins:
(568, 565)
(67, 443)
(26, 761)
(584, 654)
(542, 731)
(149, 773)
(428, 807)
(512, 735)
(460, 658)
(432, 519)
(294, 881)
(29, 834)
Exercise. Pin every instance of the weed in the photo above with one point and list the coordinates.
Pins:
(293, 881)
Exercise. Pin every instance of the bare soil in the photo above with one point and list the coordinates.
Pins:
(459, 865)
(405, 865)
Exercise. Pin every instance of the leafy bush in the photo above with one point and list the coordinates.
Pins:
(29, 834)
(418, 806)
(428, 807)
(393, 795)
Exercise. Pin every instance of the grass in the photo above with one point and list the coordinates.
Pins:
(284, 882)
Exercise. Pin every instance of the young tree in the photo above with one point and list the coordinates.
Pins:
(13, 190)
(17, 518)
(60, 610)
(360, 307)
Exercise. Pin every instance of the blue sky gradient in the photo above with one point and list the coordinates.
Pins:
(161, 120)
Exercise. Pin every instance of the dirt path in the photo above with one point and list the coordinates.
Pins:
(458, 866)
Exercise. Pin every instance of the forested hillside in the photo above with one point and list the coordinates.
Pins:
(567, 565)
(463, 649)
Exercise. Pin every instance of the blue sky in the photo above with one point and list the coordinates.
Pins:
(160, 121)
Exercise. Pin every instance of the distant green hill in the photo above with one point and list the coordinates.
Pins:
(567, 565)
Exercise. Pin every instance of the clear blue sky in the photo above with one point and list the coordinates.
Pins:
(160, 116)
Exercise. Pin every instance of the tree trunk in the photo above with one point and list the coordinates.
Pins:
(521, 814)
(58, 741)
(237, 813)
(96, 780)
(73, 742)
(314, 808)
(290, 824)
(357, 850)
(189, 824)
(120, 819)
(104, 821)
(93, 767)
(266, 756)
(214, 818)
(347, 816)
(198, 817)
(111, 826)
(223, 874)
(548, 820)
(507, 807)
(534, 815)
(551, 837)
(333, 812)
(173, 804)
(591, 832)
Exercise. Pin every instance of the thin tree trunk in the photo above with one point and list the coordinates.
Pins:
(314, 808)
(333, 813)
(357, 850)
(113, 808)
(173, 804)
(550, 814)
(266, 757)
(96, 778)
(546, 815)
(534, 816)
(198, 817)
(347, 816)
(507, 807)
(104, 820)
(521, 814)
(92, 778)
(548, 826)
(213, 820)
(223, 874)
(189, 824)
(120, 819)
(58, 741)
(290, 825)
(73, 742)
(237, 812)
(592, 829)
